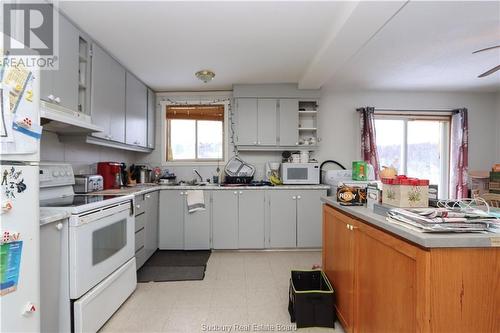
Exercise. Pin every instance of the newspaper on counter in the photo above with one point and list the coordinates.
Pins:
(445, 220)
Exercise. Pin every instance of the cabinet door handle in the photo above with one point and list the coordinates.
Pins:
(235, 192)
(241, 192)
(57, 100)
(296, 143)
(255, 142)
(294, 198)
(59, 226)
(148, 196)
(347, 226)
(50, 97)
(299, 197)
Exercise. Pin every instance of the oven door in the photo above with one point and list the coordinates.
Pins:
(100, 242)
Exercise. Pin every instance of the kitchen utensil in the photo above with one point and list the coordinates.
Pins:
(304, 156)
(236, 167)
(88, 183)
(295, 158)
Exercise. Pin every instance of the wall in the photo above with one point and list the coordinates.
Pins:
(80, 155)
(184, 171)
(498, 127)
(339, 126)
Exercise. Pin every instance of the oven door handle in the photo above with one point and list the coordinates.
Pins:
(104, 213)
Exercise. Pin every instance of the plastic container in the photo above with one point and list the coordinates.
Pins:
(311, 299)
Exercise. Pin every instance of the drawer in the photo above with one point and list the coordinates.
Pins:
(140, 205)
(140, 221)
(140, 257)
(139, 239)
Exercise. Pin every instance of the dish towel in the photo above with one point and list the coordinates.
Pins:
(195, 201)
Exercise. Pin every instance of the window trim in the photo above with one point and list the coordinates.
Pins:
(205, 99)
(445, 137)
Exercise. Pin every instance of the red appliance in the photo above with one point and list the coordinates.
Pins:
(111, 174)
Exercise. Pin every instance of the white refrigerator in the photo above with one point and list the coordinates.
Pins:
(20, 133)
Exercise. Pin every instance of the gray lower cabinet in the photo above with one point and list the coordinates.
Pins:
(197, 226)
(309, 218)
(136, 115)
(295, 218)
(238, 219)
(225, 219)
(282, 219)
(108, 96)
(151, 226)
(54, 288)
(251, 219)
(180, 229)
(171, 228)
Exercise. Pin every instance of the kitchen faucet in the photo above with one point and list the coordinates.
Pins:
(197, 173)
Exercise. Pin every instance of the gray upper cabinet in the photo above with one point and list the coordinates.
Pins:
(136, 112)
(282, 219)
(60, 86)
(309, 218)
(251, 219)
(108, 95)
(225, 219)
(151, 118)
(171, 221)
(266, 121)
(288, 122)
(246, 112)
(197, 226)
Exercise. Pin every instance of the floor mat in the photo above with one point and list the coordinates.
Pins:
(174, 266)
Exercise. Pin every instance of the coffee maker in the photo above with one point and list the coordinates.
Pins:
(111, 174)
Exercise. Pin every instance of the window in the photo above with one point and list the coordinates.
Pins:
(416, 145)
(195, 133)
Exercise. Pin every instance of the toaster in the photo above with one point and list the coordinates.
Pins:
(88, 183)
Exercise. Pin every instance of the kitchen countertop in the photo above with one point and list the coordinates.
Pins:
(48, 215)
(427, 240)
(142, 189)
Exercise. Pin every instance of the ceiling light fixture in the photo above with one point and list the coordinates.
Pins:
(205, 75)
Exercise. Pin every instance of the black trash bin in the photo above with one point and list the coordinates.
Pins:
(311, 299)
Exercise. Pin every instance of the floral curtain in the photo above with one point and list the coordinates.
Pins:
(368, 138)
(459, 154)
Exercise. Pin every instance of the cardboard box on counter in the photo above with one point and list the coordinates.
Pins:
(351, 195)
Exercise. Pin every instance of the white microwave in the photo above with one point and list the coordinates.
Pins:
(300, 173)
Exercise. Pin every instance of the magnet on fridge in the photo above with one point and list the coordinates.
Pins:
(25, 126)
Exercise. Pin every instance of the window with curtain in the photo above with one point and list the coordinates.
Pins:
(195, 133)
(416, 145)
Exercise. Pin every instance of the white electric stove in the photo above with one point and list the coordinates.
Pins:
(102, 269)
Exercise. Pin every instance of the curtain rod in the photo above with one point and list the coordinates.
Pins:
(412, 110)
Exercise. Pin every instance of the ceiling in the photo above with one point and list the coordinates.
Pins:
(428, 46)
(395, 45)
(165, 43)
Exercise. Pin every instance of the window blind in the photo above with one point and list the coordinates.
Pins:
(196, 112)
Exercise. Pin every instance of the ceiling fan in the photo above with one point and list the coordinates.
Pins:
(494, 69)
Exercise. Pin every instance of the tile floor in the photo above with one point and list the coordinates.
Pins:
(240, 288)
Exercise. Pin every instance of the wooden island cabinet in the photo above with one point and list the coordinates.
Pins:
(385, 283)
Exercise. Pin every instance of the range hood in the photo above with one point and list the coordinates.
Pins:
(61, 120)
